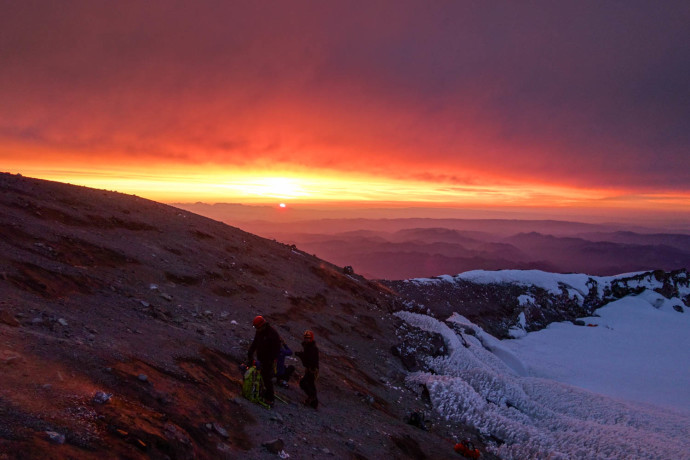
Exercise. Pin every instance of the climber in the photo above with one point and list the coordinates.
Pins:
(266, 344)
(310, 360)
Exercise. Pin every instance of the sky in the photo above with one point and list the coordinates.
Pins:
(563, 105)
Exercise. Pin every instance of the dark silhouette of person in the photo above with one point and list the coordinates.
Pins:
(310, 360)
(266, 344)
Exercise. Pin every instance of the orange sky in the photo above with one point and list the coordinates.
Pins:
(445, 104)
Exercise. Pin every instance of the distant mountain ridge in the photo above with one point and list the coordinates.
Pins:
(433, 251)
(401, 248)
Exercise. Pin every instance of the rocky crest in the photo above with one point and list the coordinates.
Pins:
(500, 307)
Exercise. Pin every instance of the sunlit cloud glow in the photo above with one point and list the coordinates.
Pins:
(450, 103)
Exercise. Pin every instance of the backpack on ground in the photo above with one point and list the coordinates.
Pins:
(253, 386)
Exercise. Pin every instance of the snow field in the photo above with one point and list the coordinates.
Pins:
(570, 391)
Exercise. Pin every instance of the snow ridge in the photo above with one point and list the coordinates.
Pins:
(509, 303)
(580, 285)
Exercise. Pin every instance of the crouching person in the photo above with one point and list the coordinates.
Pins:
(310, 360)
(283, 372)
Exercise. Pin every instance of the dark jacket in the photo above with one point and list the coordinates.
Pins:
(282, 354)
(266, 344)
(309, 355)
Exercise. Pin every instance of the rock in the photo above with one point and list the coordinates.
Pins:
(678, 308)
(145, 303)
(167, 297)
(143, 377)
(55, 438)
(153, 287)
(8, 356)
(410, 362)
(37, 321)
(283, 454)
(172, 432)
(101, 397)
(220, 430)
(224, 448)
(274, 446)
(63, 322)
(7, 318)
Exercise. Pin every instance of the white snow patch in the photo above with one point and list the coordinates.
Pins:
(518, 330)
(634, 353)
(525, 299)
(618, 390)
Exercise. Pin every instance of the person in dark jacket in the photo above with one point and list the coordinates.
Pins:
(283, 373)
(310, 359)
(266, 344)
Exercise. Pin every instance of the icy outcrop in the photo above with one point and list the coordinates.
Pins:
(507, 303)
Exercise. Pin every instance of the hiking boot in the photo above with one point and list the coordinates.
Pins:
(311, 402)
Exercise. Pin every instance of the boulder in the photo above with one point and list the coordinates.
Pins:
(9, 319)
(274, 446)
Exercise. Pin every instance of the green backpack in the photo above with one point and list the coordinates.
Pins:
(253, 386)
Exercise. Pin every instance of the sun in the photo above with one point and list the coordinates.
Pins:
(282, 205)
(279, 187)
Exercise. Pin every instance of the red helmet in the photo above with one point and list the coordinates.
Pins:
(308, 336)
(258, 321)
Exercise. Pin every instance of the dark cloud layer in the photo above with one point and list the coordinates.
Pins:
(591, 94)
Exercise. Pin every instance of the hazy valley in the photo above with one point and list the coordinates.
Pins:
(401, 248)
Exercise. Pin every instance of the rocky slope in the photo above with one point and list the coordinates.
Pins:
(123, 322)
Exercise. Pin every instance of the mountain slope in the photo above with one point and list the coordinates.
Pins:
(109, 293)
